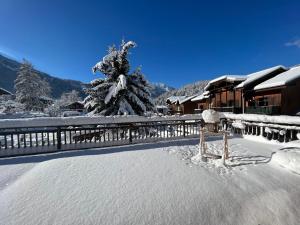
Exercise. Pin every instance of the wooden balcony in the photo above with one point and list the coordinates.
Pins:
(267, 110)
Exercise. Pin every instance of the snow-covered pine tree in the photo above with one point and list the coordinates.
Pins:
(30, 87)
(119, 93)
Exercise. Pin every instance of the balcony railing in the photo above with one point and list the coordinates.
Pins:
(267, 110)
(228, 109)
(21, 137)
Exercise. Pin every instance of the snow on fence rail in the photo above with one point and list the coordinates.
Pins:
(40, 135)
(289, 120)
(83, 120)
(280, 128)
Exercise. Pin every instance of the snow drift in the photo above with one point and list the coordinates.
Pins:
(289, 159)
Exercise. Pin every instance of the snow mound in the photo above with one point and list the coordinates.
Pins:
(210, 116)
(290, 159)
(238, 124)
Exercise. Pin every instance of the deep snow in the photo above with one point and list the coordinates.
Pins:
(150, 184)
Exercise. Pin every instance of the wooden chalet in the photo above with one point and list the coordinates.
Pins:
(250, 103)
(187, 106)
(173, 104)
(202, 102)
(278, 95)
(162, 109)
(74, 106)
(181, 104)
(223, 96)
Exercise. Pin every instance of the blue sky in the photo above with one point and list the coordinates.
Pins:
(179, 42)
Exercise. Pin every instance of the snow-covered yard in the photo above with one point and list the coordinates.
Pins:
(151, 184)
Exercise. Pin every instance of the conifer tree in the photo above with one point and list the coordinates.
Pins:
(30, 87)
(120, 92)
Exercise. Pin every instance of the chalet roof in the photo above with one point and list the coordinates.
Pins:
(281, 79)
(5, 92)
(73, 103)
(228, 78)
(251, 78)
(174, 99)
(162, 107)
(204, 95)
(186, 99)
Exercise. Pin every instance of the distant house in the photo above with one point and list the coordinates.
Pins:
(46, 100)
(202, 102)
(247, 89)
(173, 104)
(181, 104)
(187, 106)
(278, 95)
(222, 93)
(74, 106)
(162, 109)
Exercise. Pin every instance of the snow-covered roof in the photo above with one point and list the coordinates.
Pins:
(174, 99)
(5, 92)
(228, 78)
(186, 99)
(281, 79)
(204, 95)
(259, 75)
(76, 102)
(161, 107)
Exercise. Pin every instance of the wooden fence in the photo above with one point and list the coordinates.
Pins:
(25, 140)
(270, 131)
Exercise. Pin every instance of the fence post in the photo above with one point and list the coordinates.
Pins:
(58, 133)
(183, 128)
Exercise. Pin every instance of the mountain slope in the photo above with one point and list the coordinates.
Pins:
(8, 73)
(9, 69)
(187, 90)
(158, 89)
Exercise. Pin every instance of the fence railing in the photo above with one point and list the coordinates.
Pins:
(32, 140)
(267, 110)
(281, 129)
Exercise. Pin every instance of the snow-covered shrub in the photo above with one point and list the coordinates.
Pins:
(210, 116)
(119, 93)
(69, 97)
(54, 109)
(10, 106)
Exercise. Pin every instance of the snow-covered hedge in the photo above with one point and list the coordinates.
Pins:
(85, 120)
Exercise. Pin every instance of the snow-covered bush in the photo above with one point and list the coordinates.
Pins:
(210, 116)
(119, 93)
(54, 109)
(10, 106)
(70, 97)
